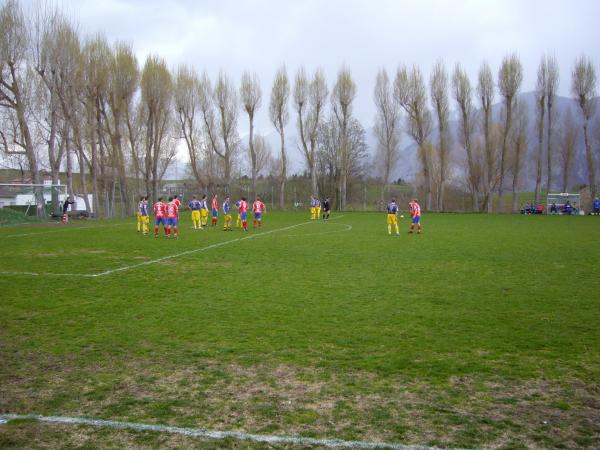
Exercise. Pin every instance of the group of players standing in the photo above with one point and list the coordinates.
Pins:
(392, 216)
(167, 214)
(315, 208)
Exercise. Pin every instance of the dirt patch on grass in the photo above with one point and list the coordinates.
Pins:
(283, 399)
(217, 265)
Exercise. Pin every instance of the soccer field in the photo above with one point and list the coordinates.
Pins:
(484, 331)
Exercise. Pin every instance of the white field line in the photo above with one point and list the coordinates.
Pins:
(65, 229)
(214, 434)
(154, 261)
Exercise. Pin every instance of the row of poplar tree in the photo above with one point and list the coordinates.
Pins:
(86, 106)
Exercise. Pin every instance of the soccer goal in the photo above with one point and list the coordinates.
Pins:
(563, 203)
(21, 196)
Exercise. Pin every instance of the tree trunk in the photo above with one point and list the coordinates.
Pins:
(54, 161)
(549, 146)
(29, 148)
(94, 171)
(489, 157)
(442, 156)
(313, 177)
(538, 174)
(66, 138)
(252, 153)
(283, 168)
(590, 160)
(83, 180)
(507, 127)
(516, 179)
(426, 175)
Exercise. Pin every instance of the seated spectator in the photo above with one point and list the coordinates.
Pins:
(596, 206)
(553, 208)
(568, 208)
(539, 209)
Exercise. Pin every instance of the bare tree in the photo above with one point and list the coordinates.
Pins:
(123, 79)
(463, 94)
(251, 96)
(46, 99)
(411, 95)
(540, 97)
(387, 128)
(331, 163)
(438, 83)
(510, 78)
(96, 58)
(485, 94)
(226, 102)
(583, 89)
(209, 127)
(519, 143)
(157, 91)
(551, 88)
(186, 97)
(342, 97)
(263, 154)
(567, 148)
(15, 91)
(278, 112)
(309, 102)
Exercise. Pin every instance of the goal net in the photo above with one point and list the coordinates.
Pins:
(562, 203)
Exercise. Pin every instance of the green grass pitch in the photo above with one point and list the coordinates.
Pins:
(483, 331)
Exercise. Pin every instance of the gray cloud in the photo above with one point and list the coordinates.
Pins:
(365, 35)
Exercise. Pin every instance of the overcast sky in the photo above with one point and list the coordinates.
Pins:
(260, 35)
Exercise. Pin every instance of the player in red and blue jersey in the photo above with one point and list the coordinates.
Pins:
(243, 209)
(160, 210)
(415, 213)
(227, 215)
(258, 208)
(178, 203)
(215, 210)
(172, 213)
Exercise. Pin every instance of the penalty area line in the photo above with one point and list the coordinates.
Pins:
(211, 434)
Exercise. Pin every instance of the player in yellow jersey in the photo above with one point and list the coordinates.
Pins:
(194, 205)
(317, 208)
(313, 207)
(143, 219)
(203, 212)
(392, 217)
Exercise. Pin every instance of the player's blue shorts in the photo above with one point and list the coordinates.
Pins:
(172, 221)
(160, 221)
(258, 216)
(416, 219)
(243, 215)
(215, 212)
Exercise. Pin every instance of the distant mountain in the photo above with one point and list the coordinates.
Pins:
(408, 165)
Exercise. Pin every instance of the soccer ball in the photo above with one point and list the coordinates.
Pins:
(402, 216)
